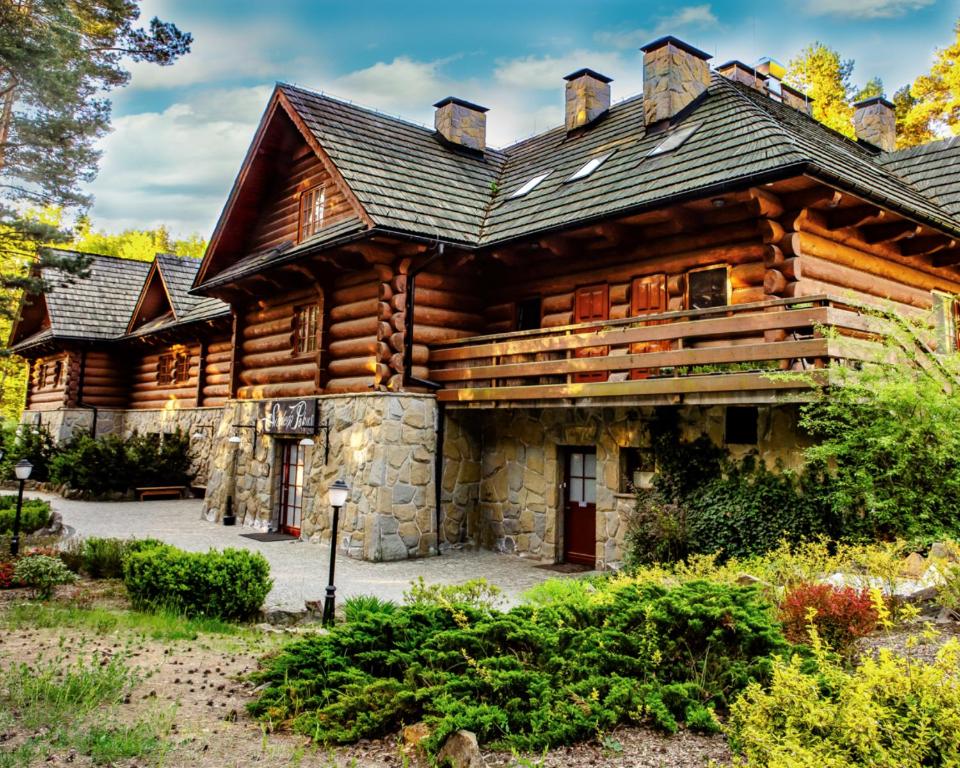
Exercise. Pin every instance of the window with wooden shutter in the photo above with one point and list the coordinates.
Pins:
(708, 288)
(307, 329)
(165, 369)
(312, 203)
(591, 303)
(648, 296)
(181, 368)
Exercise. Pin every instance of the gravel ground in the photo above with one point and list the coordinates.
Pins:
(299, 568)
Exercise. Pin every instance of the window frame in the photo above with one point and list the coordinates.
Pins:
(310, 226)
(173, 369)
(727, 289)
(58, 372)
(518, 315)
(312, 314)
(42, 375)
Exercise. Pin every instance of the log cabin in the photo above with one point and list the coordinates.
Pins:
(477, 340)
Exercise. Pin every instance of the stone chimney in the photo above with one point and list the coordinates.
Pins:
(587, 97)
(674, 76)
(742, 73)
(875, 123)
(462, 123)
(777, 90)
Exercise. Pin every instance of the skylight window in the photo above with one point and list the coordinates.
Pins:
(589, 167)
(674, 140)
(530, 185)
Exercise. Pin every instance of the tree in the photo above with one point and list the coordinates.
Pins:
(139, 244)
(820, 73)
(933, 106)
(57, 59)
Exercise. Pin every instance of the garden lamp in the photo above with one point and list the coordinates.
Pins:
(22, 470)
(337, 496)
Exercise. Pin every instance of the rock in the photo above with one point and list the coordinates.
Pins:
(941, 551)
(460, 751)
(946, 616)
(277, 617)
(414, 734)
(922, 595)
(55, 527)
(747, 579)
(914, 565)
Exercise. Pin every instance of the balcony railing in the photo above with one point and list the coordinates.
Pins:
(723, 354)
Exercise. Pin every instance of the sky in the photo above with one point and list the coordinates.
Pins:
(180, 132)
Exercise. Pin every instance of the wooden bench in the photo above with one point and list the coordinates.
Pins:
(161, 491)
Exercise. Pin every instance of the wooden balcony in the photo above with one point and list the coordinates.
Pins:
(712, 356)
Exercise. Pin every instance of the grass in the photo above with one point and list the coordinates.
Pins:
(164, 626)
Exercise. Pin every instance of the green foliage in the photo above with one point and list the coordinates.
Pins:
(948, 592)
(137, 244)
(887, 711)
(531, 677)
(477, 593)
(230, 585)
(111, 464)
(24, 441)
(892, 438)
(102, 558)
(359, 607)
(34, 515)
(42, 573)
(702, 503)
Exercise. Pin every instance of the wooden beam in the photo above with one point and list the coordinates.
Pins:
(557, 246)
(917, 246)
(818, 196)
(767, 203)
(884, 233)
(842, 218)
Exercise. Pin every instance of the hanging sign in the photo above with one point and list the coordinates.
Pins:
(290, 417)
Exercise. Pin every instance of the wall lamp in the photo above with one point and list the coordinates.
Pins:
(198, 431)
(308, 439)
(238, 439)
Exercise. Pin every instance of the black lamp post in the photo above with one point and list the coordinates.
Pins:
(22, 470)
(337, 496)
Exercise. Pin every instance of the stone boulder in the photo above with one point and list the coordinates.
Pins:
(460, 750)
(54, 527)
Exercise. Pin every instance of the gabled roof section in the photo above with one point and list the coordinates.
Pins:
(405, 178)
(153, 305)
(96, 307)
(279, 133)
(933, 169)
(166, 299)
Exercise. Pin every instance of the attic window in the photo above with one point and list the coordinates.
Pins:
(589, 167)
(674, 141)
(529, 186)
(311, 211)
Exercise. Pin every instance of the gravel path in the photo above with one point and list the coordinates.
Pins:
(299, 568)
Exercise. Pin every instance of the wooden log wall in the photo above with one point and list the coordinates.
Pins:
(267, 363)
(147, 392)
(215, 387)
(42, 395)
(106, 383)
(279, 216)
(446, 307)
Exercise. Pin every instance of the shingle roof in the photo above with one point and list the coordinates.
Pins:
(933, 169)
(178, 273)
(98, 306)
(409, 181)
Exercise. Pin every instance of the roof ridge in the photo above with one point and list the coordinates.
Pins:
(937, 145)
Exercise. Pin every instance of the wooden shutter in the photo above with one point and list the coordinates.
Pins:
(592, 303)
(648, 296)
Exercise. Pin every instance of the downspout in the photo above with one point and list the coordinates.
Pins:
(409, 378)
(80, 403)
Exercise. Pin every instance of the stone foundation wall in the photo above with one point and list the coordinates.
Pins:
(382, 444)
(64, 423)
(202, 422)
(503, 470)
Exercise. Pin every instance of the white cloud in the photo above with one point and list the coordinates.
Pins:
(686, 18)
(865, 9)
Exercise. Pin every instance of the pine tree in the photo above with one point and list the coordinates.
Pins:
(57, 59)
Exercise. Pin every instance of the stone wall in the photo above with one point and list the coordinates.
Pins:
(673, 77)
(381, 444)
(64, 423)
(201, 422)
(503, 470)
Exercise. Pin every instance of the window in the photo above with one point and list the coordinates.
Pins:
(674, 140)
(311, 211)
(946, 312)
(306, 333)
(58, 374)
(589, 167)
(528, 314)
(707, 288)
(741, 425)
(637, 467)
(41, 375)
(529, 186)
(173, 368)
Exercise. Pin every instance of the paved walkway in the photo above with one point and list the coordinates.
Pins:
(299, 568)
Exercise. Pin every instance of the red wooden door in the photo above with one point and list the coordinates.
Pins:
(580, 507)
(648, 296)
(592, 303)
(291, 488)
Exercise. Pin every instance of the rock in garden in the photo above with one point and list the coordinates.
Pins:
(461, 751)
(414, 734)
(914, 565)
(941, 551)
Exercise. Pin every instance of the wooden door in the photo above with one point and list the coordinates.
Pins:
(592, 303)
(580, 507)
(291, 488)
(648, 296)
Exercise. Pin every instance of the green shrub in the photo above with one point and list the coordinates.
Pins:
(887, 711)
(532, 677)
(19, 442)
(42, 573)
(230, 585)
(360, 607)
(102, 558)
(478, 593)
(34, 515)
